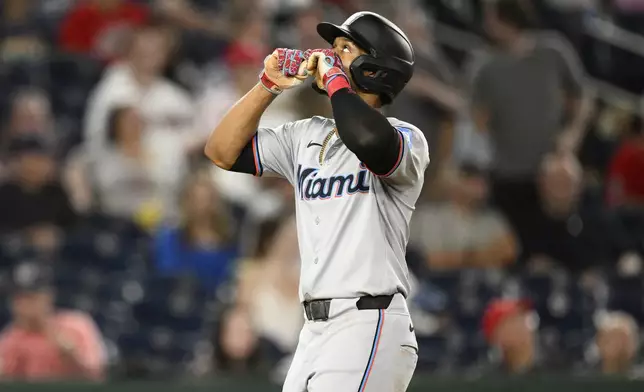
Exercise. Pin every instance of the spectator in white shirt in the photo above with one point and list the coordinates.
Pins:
(167, 110)
(117, 179)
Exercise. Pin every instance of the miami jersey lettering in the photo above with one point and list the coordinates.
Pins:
(311, 186)
(340, 204)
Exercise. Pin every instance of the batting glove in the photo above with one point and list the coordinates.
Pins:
(283, 69)
(328, 70)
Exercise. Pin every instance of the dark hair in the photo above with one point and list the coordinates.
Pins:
(219, 218)
(113, 122)
(517, 13)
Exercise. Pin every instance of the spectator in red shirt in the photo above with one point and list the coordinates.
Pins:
(101, 27)
(42, 343)
(625, 181)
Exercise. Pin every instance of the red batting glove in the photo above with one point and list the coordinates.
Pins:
(283, 69)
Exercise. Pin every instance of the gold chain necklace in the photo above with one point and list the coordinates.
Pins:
(325, 143)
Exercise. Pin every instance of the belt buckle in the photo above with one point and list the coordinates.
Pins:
(318, 310)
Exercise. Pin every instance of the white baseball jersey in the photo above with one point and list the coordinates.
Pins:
(353, 225)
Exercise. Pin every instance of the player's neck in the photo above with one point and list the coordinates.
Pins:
(371, 99)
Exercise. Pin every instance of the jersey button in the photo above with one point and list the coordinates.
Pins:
(317, 220)
(315, 261)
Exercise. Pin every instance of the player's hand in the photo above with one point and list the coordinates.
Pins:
(283, 69)
(325, 65)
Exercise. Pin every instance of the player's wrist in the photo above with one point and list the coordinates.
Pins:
(335, 80)
(268, 84)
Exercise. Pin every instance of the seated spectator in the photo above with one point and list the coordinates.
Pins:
(32, 200)
(201, 244)
(617, 340)
(120, 175)
(463, 232)
(101, 28)
(268, 285)
(580, 235)
(625, 183)
(166, 109)
(510, 327)
(21, 35)
(30, 114)
(43, 343)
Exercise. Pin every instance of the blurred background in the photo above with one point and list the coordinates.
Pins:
(126, 255)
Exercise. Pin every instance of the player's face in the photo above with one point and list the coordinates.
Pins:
(348, 51)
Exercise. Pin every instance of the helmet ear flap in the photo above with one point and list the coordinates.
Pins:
(378, 76)
(375, 76)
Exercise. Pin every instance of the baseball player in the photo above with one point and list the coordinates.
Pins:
(357, 178)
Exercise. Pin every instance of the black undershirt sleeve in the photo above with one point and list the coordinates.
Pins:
(366, 132)
(245, 162)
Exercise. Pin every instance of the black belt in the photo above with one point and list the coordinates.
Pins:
(318, 309)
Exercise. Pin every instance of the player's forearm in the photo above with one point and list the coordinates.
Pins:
(365, 131)
(237, 127)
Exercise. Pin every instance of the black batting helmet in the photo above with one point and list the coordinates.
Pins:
(389, 62)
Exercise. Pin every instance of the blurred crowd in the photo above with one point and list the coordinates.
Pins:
(124, 253)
